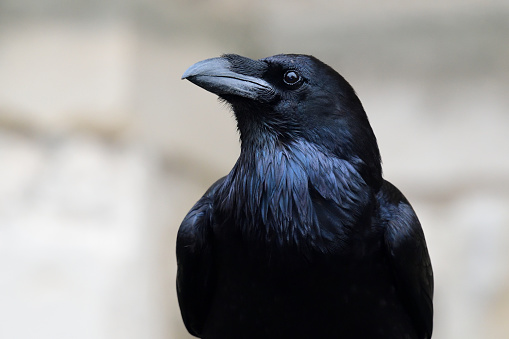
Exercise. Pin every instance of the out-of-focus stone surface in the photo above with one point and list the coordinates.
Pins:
(104, 149)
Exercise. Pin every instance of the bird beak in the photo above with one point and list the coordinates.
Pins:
(231, 75)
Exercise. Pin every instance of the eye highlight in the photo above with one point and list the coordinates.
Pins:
(291, 77)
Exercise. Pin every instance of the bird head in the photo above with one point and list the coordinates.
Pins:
(290, 97)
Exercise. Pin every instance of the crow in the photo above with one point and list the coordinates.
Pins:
(303, 238)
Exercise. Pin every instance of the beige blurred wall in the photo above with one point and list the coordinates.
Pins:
(103, 149)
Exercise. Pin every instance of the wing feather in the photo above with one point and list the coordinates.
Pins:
(195, 267)
(409, 258)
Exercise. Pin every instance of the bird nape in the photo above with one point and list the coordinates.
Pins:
(303, 238)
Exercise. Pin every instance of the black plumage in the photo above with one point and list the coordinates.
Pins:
(303, 238)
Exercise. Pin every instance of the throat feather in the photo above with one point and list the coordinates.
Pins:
(280, 196)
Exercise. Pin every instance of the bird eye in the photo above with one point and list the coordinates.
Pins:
(291, 77)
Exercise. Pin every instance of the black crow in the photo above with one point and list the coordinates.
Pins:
(303, 238)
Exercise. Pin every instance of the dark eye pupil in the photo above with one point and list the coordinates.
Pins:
(291, 77)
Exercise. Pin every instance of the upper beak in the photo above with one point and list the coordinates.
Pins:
(231, 75)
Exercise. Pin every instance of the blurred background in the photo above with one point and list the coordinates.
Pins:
(103, 149)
